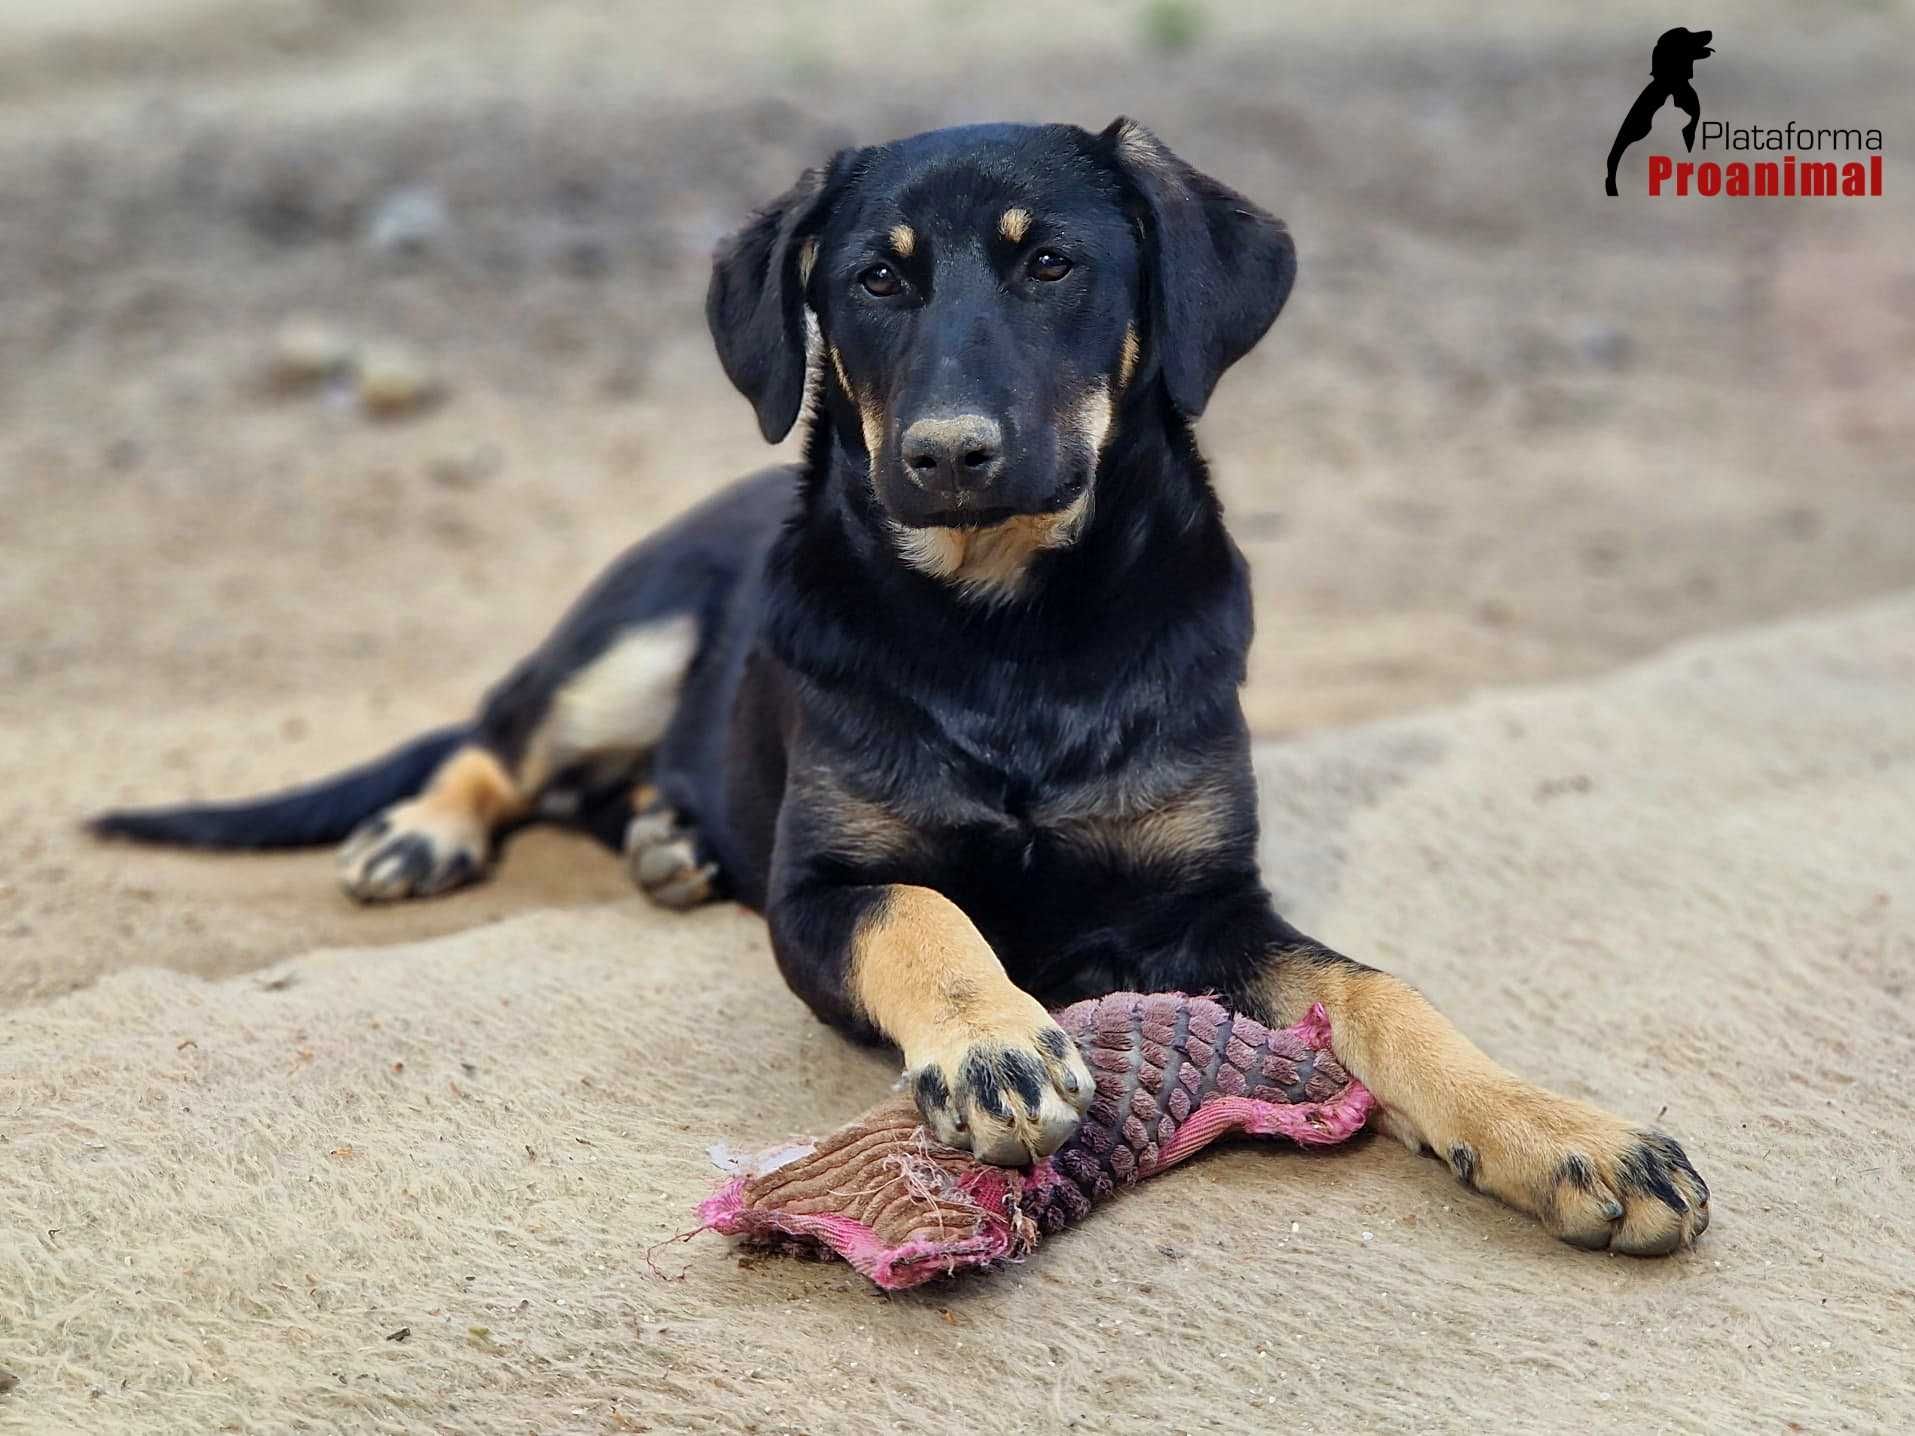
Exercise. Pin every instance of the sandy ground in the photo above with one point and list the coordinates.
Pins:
(1507, 431)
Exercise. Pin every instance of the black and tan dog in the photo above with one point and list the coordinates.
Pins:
(954, 702)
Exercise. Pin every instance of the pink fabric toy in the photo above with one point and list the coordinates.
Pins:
(1174, 1074)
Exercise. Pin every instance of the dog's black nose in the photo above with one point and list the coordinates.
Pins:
(954, 454)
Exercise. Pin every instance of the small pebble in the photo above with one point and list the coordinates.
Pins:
(307, 350)
(7, 1380)
(394, 381)
(465, 471)
(409, 223)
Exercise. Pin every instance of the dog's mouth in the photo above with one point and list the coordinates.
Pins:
(969, 512)
(991, 517)
(964, 518)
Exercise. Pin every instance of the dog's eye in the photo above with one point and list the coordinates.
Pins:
(880, 280)
(1049, 265)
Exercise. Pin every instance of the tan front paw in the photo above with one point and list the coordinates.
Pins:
(414, 849)
(1010, 1094)
(1590, 1178)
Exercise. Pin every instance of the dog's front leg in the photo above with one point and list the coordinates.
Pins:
(989, 1068)
(1591, 1178)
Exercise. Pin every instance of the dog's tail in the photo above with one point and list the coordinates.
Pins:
(303, 817)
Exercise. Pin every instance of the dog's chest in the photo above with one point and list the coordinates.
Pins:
(1160, 819)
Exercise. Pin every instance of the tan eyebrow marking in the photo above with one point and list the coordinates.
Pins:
(807, 259)
(904, 239)
(1127, 362)
(1014, 224)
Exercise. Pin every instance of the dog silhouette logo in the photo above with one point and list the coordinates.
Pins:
(1672, 65)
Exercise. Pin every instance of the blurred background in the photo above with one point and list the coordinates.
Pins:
(342, 340)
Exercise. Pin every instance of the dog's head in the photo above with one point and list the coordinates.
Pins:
(1677, 51)
(988, 301)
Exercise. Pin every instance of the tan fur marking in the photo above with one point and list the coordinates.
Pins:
(870, 416)
(1435, 1076)
(450, 825)
(904, 239)
(991, 563)
(475, 784)
(1438, 1090)
(855, 827)
(1014, 224)
(621, 702)
(923, 974)
(1094, 419)
(844, 379)
(1179, 833)
(1127, 361)
(935, 551)
(871, 420)
(807, 260)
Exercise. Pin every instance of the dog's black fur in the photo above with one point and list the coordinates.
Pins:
(890, 753)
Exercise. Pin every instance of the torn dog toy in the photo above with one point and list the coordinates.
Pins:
(1173, 1073)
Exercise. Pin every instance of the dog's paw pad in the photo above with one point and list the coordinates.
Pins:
(667, 860)
(411, 850)
(1009, 1099)
(1641, 1196)
(1593, 1180)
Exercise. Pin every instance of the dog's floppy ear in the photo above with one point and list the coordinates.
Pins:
(755, 305)
(1218, 267)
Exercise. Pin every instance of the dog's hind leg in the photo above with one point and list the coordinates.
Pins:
(543, 737)
(582, 719)
(438, 841)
